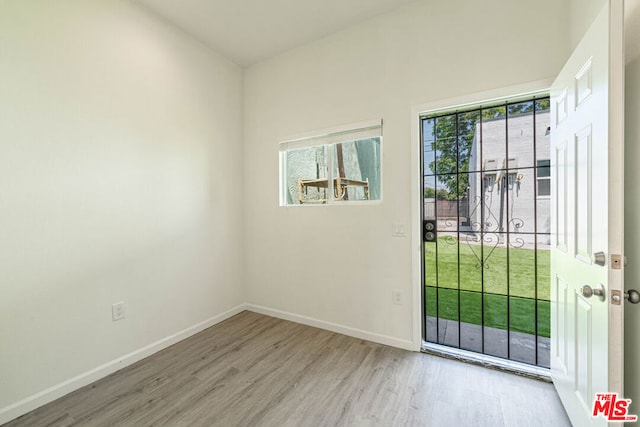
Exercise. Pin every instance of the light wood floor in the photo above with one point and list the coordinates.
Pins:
(254, 370)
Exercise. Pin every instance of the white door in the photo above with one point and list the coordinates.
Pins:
(587, 109)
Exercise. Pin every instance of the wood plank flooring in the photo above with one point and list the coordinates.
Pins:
(255, 370)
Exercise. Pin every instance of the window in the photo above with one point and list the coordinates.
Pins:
(338, 167)
(544, 178)
(489, 182)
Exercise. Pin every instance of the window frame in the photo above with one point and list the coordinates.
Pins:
(543, 178)
(328, 139)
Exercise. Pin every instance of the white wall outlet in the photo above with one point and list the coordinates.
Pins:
(396, 296)
(398, 230)
(117, 311)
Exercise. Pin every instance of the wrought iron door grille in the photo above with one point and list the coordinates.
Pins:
(486, 261)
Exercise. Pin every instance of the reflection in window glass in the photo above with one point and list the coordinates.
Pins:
(354, 175)
(356, 170)
(306, 175)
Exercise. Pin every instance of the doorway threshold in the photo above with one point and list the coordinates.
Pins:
(484, 360)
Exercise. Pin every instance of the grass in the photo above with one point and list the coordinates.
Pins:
(517, 310)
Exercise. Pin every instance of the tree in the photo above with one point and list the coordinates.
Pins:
(439, 194)
(453, 140)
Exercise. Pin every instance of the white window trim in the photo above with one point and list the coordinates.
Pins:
(542, 178)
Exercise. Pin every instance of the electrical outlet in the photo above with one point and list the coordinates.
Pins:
(396, 296)
(117, 311)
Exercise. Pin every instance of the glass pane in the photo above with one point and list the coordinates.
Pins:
(447, 202)
(494, 138)
(522, 267)
(431, 308)
(522, 323)
(543, 255)
(448, 324)
(544, 214)
(446, 145)
(544, 187)
(468, 141)
(471, 321)
(492, 197)
(429, 183)
(544, 334)
(430, 266)
(474, 203)
(463, 202)
(306, 175)
(495, 325)
(520, 201)
(544, 168)
(447, 262)
(520, 134)
(357, 170)
(429, 146)
(543, 105)
(470, 262)
(494, 253)
(543, 150)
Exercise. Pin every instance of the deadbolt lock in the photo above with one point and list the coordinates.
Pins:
(599, 258)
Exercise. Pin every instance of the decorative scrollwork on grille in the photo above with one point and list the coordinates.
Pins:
(516, 242)
(450, 240)
(490, 241)
(516, 223)
(449, 222)
(474, 242)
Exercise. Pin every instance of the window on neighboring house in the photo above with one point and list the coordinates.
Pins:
(337, 167)
(544, 178)
(489, 182)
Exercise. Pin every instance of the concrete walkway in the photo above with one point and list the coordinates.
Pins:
(522, 347)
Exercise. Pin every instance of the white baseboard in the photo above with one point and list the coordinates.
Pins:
(52, 393)
(334, 327)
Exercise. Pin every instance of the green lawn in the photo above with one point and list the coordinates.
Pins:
(441, 277)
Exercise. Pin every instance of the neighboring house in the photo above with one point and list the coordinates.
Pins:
(513, 193)
(509, 183)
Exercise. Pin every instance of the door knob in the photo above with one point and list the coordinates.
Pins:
(588, 291)
(632, 296)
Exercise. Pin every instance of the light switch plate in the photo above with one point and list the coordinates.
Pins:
(398, 230)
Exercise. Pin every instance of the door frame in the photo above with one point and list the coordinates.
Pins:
(417, 274)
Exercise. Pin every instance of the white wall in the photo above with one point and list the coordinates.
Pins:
(120, 180)
(582, 14)
(339, 264)
(632, 230)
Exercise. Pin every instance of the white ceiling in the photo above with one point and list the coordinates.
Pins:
(247, 31)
